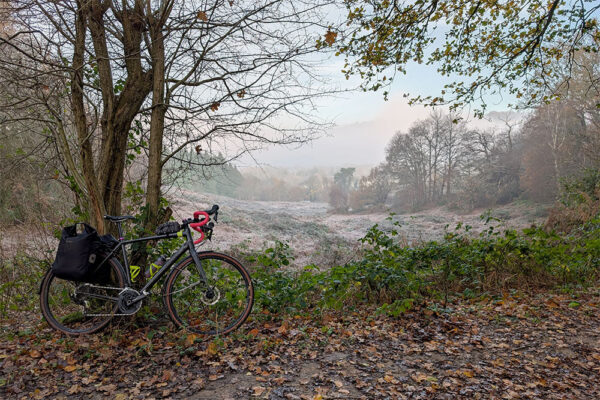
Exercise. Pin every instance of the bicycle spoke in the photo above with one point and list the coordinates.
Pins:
(77, 308)
(218, 306)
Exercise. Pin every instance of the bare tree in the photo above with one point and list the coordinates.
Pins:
(191, 74)
(428, 157)
(553, 144)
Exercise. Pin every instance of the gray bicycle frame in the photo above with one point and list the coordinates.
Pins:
(187, 246)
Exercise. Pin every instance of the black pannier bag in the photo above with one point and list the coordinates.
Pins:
(100, 272)
(81, 257)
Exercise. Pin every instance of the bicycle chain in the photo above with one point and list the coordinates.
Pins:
(102, 287)
(115, 288)
(165, 295)
(108, 288)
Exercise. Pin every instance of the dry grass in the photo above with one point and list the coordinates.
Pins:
(566, 218)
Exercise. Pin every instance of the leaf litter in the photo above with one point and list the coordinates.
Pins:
(538, 347)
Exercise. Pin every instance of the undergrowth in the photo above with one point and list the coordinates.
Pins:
(391, 274)
(396, 277)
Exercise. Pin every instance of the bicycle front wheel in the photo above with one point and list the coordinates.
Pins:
(77, 308)
(215, 307)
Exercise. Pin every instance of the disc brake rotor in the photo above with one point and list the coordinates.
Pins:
(211, 296)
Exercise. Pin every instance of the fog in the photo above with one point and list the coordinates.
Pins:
(363, 141)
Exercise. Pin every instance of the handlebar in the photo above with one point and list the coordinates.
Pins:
(213, 210)
(197, 224)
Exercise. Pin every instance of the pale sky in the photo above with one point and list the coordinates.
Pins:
(364, 121)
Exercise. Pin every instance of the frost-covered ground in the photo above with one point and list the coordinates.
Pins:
(315, 235)
(318, 236)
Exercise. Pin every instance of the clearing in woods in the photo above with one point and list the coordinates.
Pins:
(516, 346)
(318, 236)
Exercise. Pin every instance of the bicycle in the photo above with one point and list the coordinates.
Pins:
(207, 292)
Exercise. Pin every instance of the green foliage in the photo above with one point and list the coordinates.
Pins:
(393, 276)
(578, 190)
(274, 257)
(579, 202)
(20, 277)
(277, 289)
(486, 48)
(397, 277)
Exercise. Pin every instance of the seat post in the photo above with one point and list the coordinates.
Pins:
(124, 251)
(120, 230)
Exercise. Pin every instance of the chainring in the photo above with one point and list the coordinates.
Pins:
(126, 304)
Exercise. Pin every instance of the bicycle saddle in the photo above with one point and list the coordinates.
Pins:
(118, 218)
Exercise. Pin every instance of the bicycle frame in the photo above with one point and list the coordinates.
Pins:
(187, 246)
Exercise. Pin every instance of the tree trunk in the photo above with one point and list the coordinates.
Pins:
(120, 110)
(157, 124)
(96, 207)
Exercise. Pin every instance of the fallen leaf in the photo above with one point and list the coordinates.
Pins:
(108, 388)
(258, 390)
(200, 382)
(74, 389)
(166, 376)
(282, 330)
(71, 368)
(191, 338)
(468, 373)
(35, 354)
(212, 349)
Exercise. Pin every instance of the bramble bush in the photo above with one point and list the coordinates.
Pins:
(395, 276)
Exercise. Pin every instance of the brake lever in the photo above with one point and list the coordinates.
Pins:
(208, 230)
(216, 216)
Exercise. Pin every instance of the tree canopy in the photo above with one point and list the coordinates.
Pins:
(110, 81)
(521, 47)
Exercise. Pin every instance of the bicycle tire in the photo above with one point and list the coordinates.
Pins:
(64, 303)
(188, 303)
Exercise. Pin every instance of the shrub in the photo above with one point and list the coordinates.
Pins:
(578, 204)
(395, 276)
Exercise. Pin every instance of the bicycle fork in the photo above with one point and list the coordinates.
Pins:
(194, 255)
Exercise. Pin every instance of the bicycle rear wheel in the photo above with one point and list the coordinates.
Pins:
(215, 308)
(77, 308)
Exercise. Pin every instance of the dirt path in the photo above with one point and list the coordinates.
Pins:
(547, 347)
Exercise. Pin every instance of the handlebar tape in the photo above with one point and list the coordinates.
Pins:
(196, 225)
